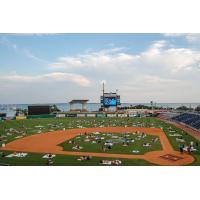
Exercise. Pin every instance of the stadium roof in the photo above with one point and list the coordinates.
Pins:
(79, 101)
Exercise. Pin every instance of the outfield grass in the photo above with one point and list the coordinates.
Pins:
(35, 159)
(35, 126)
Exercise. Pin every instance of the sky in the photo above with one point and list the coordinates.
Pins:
(55, 68)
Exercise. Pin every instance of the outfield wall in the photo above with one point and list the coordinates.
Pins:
(84, 115)
(41, 116)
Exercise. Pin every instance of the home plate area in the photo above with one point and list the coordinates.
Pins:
(171, 157)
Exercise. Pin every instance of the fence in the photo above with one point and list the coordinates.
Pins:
(82, 115)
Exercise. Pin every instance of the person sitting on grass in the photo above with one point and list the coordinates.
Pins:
(109, 162)
(116, 162)
(77, 147)
(83, 158)
(189, 149)
(104, 147)
(3, 145)
(124, 144)
(181, 148)
(155, 139)
(2, 154)
(49, 162)
(98, 141)
(143, 135)
(105, 162)
(146, 144)
(50, 155)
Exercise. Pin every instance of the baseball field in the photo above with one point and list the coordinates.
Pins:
(96, 142)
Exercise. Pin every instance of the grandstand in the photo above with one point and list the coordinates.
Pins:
(190, 119)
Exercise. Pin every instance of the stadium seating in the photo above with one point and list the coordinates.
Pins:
(190, 119)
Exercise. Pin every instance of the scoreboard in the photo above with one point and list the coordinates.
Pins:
(110, 99)
(38, 110)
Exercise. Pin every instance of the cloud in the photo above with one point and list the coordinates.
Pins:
(189, 37)
(158, 57)
(171, 60)
(152, 79)
(174, 34)
(4, 41)
(31, 34)
(55, 77)
(161, 71)
(109, 60)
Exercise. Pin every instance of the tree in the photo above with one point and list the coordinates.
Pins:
(183, 108)
(54, 108)
(197, 108)
(21, 111)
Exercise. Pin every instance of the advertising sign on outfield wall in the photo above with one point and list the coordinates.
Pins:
(111, 115)
(101, 115)
(91, 115)
(132, 115)
(122, 115)
(71, 115)
(20, 117)
(80, 115)
(60, 115)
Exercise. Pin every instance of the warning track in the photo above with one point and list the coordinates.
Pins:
(48, 143)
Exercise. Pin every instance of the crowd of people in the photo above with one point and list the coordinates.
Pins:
(107, 141)
(188, 148)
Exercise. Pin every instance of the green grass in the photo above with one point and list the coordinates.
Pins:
(29, 127)
(116, 148)
(35, 159)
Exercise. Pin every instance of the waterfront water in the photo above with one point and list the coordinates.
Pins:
(9, 109)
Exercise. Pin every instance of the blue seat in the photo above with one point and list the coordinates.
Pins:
(191, 119)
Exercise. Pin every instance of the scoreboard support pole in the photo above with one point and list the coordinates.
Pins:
(103, 97)
(116, 102)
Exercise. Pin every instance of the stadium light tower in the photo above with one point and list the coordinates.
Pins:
(151, 105)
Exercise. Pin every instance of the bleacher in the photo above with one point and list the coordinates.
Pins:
(190, 119)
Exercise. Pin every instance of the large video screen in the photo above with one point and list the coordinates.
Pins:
(110, 101)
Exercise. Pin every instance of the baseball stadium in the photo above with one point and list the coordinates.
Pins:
(112, 136)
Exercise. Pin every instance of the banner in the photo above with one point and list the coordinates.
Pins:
(91, 115)
(132, 115)
(101, 115)
(20, 117)
(60, 116)
(80, 115)
(71, 115)
(122, 115)
(40, 116)
(111, 115)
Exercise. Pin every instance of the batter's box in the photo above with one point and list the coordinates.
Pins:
(171, 157)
